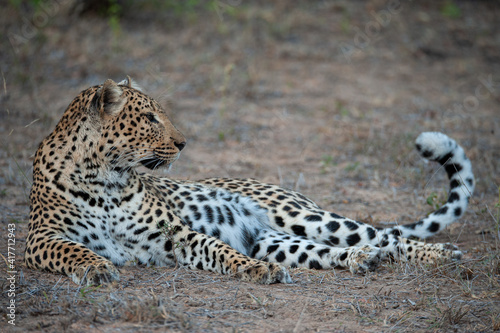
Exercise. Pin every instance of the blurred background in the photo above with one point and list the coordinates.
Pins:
(325, 97)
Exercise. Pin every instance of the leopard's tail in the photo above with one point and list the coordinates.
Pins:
(438, 147)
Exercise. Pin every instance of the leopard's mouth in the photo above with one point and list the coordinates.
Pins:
(154, 162)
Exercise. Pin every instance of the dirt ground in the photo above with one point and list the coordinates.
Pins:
(325, 97)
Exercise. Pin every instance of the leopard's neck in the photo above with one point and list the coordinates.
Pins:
(72, 166)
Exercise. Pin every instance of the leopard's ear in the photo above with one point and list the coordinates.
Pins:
(128, 82)
(110, 99)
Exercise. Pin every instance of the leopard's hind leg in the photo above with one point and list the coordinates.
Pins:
(296, 251)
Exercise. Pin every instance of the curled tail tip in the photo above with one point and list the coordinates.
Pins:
(434, 145)
(439, 147)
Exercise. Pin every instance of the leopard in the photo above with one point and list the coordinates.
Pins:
(95, 206)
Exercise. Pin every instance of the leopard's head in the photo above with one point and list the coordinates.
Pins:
(134, 128)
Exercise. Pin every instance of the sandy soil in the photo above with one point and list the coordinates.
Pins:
(323, 97)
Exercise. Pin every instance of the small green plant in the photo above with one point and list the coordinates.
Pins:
(114, 19)
(352, 167)
(451, 10)
(16, 221)
(17, 3)
(327, 160)
(168, 230)
(326, 163)
(345, 22)
(431, 200)
(342, 109)
(435, 200)
(86, 290)
(221, 136)
(221, 9)
(49, 298)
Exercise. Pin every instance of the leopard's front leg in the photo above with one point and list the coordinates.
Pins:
(199, 251)
(57, 254)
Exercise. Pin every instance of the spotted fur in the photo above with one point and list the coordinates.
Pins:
(91, 210)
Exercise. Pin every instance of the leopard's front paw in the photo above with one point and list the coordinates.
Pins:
(96, 274)
(363, 259)
(265, 273)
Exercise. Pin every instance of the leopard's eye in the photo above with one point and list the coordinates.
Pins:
(151, 117)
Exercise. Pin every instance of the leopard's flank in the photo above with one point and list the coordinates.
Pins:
(91, 210)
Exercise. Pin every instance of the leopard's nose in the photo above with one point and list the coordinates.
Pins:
(180, 145)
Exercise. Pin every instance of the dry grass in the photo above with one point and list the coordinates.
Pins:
(394, 298)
